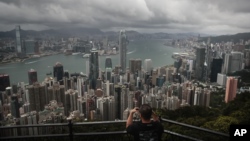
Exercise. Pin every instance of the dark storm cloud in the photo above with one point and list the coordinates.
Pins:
(214, 16)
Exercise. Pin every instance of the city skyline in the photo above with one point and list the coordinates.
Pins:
(210, 17)
(109, 94)
(77, 70)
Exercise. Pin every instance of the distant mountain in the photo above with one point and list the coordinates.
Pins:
(78, 32)
(8, 34)
(64, 32)
(234, 38)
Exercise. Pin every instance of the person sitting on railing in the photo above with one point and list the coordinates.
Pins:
(145, 129)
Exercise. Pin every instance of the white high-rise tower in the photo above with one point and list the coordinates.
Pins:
(123, 51)
(148, 65)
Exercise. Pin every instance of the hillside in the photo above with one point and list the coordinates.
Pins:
(235, 38)
(78, 32)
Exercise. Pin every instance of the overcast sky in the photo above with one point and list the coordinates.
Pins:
(203, 16)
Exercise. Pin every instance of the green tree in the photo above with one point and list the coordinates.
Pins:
(221, 124)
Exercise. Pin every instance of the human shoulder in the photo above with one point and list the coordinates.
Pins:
(156, 122)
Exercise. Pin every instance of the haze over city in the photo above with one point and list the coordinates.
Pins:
(209, 17)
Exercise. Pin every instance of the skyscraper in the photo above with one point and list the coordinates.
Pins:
(231, 88)
(123, 100)
(215, 69)
(148, 65)
(108, 62)
(31, 46)
(233, 62)
(108, 74)
(117, 98)
(221, 79)
(103, 106)
(58, 72)
(237, 60)
(135, 65)
(19, 47)
(93, 68)
(15, 106)
(4, 81)
(123, 50)
(37, 97)
(200, 59)
(111, 108)
(227, 63)
(32, 74)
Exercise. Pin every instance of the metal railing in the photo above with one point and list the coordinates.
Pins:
(83, 131)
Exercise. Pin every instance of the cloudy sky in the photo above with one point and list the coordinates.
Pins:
(203, 16)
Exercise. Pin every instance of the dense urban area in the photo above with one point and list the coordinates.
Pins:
(207, 86)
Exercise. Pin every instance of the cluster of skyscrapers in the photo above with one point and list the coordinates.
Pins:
(25, 47)
(111, 93)
(213, 64)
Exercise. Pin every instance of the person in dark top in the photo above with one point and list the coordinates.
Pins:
(145, 129)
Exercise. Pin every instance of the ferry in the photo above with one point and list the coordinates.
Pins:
(49, 73)
(86, 55)
(68, 52)
(76, 53)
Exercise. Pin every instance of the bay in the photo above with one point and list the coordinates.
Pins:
(138, 49)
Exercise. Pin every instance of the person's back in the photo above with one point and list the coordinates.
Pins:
(144, 130)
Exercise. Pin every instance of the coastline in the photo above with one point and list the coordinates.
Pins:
(22, 60)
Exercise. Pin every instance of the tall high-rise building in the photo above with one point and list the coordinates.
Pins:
(4, 81)
(32, 74)
(108, 62)
(31, 47)
(93, 68)
(66, 74)
(132, 65)
(148, 65)
(37, 97)
(237, 60)
(58, 72)
(221, 79)
(103, 106)
(215, 69)
(123, 100)
(169, 72)
(117, 98)
(135, 65)
(87, 67)
(200, 59)
(111, 108)
(233, 62)
(227, 63)
(19, 44)
(247, 58)
(81, 105)
(231, 88)
(108, 74)
(123, 50)
(70, 101)
(15, 106)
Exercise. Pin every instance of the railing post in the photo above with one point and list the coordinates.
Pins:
(70, 125)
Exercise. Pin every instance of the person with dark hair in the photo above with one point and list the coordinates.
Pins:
(145, 129)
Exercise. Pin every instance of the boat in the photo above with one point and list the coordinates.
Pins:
(49, 73)
(68, 52)
(86, 55)
(36, 56)
(76, 53)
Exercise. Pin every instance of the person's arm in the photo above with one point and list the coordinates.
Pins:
(155, 117)
(130, 117)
